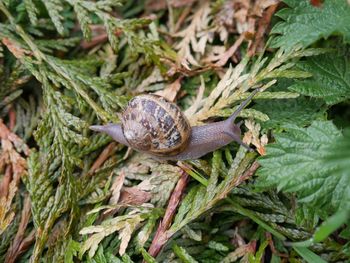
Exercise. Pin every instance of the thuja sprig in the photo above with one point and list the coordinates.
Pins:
(58, 129)
(201, 199)
(237, 81)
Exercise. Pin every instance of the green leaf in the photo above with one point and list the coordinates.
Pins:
(196, 175)
(183, 254)
(308, 255)
(217, 246)
(246, 212)
(259, 254)
(331, 78)
(304, 24)
(345, 233)
(32, 11)
(310, 162)
(301, 111)
(84, 19)
(102, 256)
(328, 227)
(125, 226)
(147, 257)
(332, 224)
(55, 8)
(127, 259)
(71, 251)
(186, 204)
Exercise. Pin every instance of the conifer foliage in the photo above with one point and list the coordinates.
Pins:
(68, 194)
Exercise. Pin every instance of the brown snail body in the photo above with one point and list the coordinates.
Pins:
(152, 125)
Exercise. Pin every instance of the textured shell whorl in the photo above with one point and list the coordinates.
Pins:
(152, 124)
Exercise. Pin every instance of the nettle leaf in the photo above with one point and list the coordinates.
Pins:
(301, 111)
(330, 80)
(304, 24)
(300, 161)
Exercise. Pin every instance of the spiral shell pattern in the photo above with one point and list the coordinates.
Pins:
(152, 124)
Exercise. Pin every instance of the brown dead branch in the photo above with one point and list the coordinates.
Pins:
(17, 51)
(161, 236)
(21, 243)
(264, 23)
(15, 166)
(106, 153)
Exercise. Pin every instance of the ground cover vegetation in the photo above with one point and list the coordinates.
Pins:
(68, 194)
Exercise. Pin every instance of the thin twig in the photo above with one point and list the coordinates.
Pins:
(182, 17)
(21, 244)
(161, 237)
(106, 153)
(240, 179)
(100, 39)
(264, 24)
(229, 53)
(250, 172)
(6, 134)
(272, 246)
(171, 17)
(5, 182)
(12, 117)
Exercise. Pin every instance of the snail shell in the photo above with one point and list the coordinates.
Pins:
(155, 126)
(152, 124)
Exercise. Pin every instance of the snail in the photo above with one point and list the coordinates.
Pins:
(153, 125)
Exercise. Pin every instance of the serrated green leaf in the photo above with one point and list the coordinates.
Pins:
(301, 112)
(331, 77)
(304, 24)
(306, 161)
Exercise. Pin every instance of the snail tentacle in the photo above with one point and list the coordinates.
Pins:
(153, 125)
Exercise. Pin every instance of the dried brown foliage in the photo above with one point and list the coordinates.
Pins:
(14, 166)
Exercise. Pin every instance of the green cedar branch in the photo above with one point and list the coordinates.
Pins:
(201, 199)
